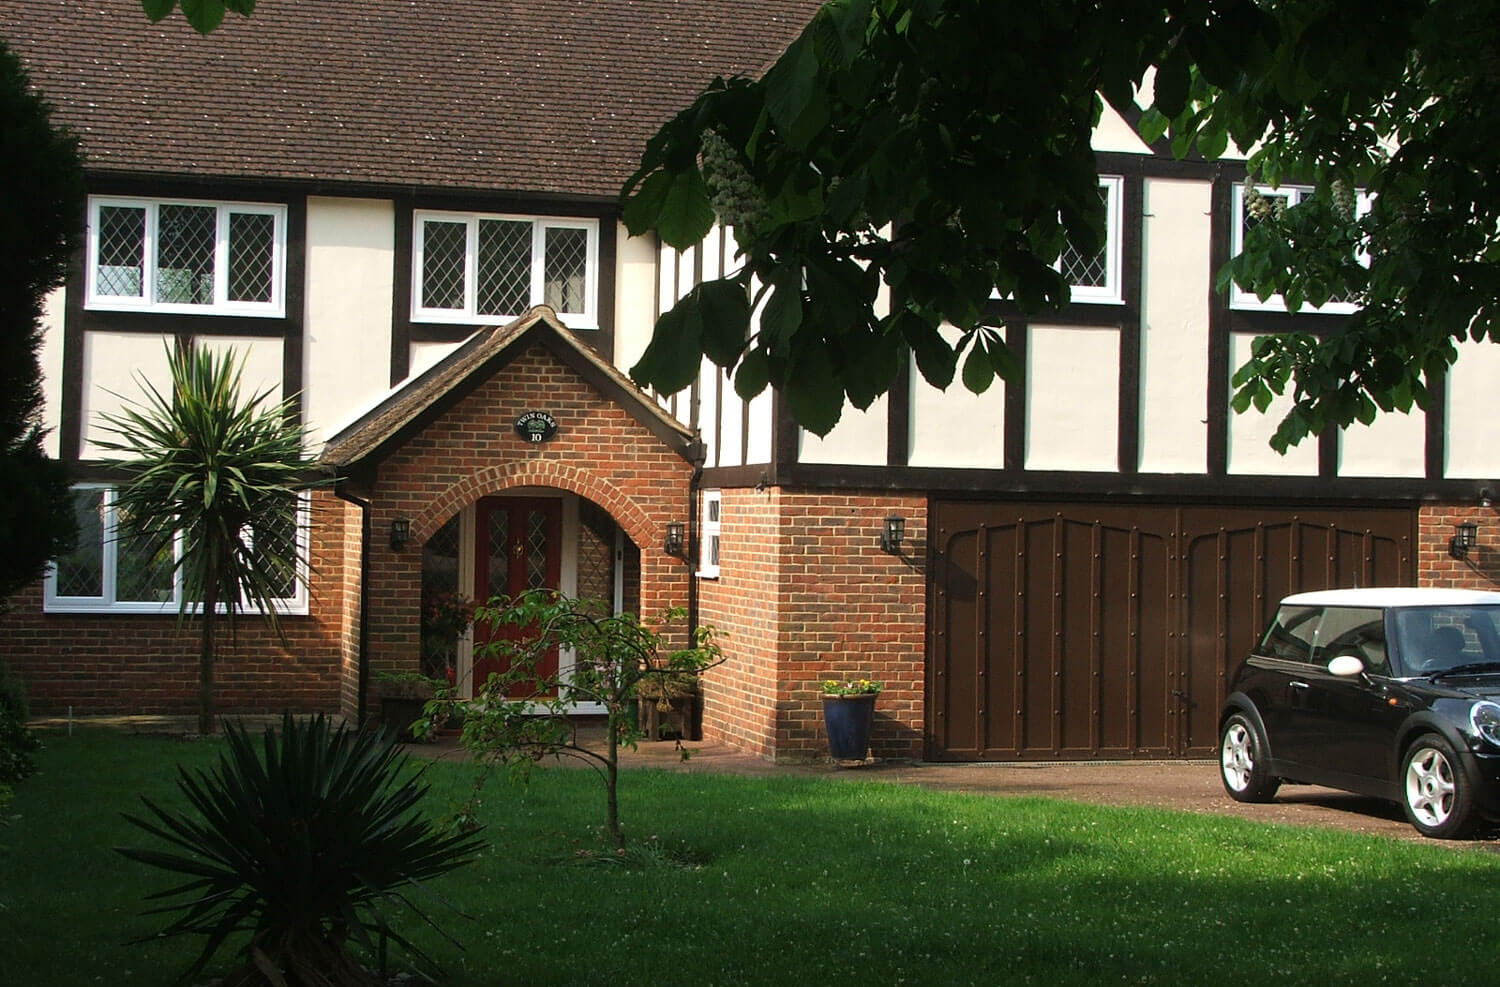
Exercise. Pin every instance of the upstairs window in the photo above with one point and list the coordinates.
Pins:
(1096, 277)
(480, 268)
(1245, 220)
(186, 256)
(713, 503)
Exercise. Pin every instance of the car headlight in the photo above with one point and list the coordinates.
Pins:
(1485, 718)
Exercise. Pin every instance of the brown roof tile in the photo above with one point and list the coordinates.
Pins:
(547, 96)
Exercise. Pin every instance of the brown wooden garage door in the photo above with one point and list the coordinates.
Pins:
(1078, 632)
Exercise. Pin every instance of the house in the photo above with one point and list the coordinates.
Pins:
(406, 216)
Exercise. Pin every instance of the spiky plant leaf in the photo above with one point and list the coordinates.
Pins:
(310, 842)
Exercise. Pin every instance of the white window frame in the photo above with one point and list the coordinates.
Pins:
(1112, 291)
(295, 605)
(710, 544)
(221, 305)
(469, 315)
(1248, 301)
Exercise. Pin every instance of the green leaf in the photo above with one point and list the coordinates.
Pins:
(978, 372)
(813, 392)
(1153, 124)
(642, 209)
(726, 320)
(203, 15)
(1172, 81)
(686, 214)
(753, 374)
(794, 99)
(935, 358)
(158, 9)
(673, 357)
(782, 316)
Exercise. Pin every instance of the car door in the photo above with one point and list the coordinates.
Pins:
(1344, 727)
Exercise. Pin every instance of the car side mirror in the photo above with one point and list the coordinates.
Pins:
(1346, 666)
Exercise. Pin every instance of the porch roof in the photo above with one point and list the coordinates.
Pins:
(412, 405)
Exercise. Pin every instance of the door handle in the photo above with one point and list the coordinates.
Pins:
(1297, 685)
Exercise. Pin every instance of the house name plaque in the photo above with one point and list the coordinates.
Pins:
(536, 426)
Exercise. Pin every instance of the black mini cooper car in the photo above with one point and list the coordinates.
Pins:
(1393, 693)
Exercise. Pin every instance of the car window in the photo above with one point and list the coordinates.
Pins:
(1292, 634)
(1357, 631)
(1431, 639)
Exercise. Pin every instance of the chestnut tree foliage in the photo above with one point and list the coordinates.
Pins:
(941, 149)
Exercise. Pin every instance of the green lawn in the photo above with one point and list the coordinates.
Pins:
(802, 882)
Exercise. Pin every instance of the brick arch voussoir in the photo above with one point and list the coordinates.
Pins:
(629, 515)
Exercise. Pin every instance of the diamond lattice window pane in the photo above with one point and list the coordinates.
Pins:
(185, 239)
(81, 571)
(536, 550)
(273, 549)
(440, 561)
(504, 267)
(142, 575)
(565, 269)
(1082, 271)
(444, 246)
(596, 557)
(121, 256)
(499, 546)
(252, 241)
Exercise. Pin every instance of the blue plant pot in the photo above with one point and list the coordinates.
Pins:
(848, 720)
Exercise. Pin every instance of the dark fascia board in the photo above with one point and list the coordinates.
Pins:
(539, 332)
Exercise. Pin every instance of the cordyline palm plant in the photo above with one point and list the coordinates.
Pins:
(306, 849)
(218, 468)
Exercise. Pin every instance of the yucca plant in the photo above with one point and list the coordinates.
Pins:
(308, 849)
(219, 468)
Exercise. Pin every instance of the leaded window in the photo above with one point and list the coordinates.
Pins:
(1096, 277)
(487, 269)
(186, 256)
(1248, 214)
(111, 570)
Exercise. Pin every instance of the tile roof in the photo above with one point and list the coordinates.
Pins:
(549, 96)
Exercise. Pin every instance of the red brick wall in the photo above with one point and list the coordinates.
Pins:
(600, 452)
(1436, 567)
(134, 663)
(804, 594)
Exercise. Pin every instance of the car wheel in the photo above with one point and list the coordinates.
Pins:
(1243, 765)
(1437, 798)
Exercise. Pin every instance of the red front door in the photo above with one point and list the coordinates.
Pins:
(518, 548)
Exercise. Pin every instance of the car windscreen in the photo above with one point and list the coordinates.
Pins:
(1431, 640)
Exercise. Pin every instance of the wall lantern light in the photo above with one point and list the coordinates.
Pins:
(892, 533)
(674, 543)
(400, 532)
(1465, 537)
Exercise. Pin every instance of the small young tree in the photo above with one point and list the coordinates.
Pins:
(522, 715)
(224, 472)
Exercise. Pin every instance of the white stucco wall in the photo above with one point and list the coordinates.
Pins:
(956, 428)
(1072, 398)
(1250, 433)
(114, 365)
(1174, 333)
(1114, 134)
(1472, 451)
(347, 343)
(1393, 445)
(635, 296)
(859, 439)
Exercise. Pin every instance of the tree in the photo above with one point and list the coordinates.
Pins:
(223, 474)
(941, 148)
(523, 714)
(41, 216)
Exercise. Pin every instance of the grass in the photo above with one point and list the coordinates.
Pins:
(796, 880)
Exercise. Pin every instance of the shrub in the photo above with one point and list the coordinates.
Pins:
(17, 742)
(305, 849)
